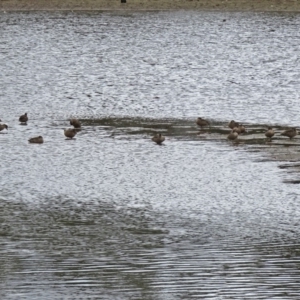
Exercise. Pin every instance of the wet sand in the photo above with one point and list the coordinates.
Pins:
(224, 5)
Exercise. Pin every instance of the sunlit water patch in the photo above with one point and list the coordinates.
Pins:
(156, 64)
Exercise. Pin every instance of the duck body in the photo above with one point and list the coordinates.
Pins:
(23, 118)
(232, 135)
(269, 133)
(242, 128)
(36, 140)
(290, 133)
(238, 130)
(70, 132)
(233, 124)
(158, 139)
(201, 122)
(75, 122)
(3, 126)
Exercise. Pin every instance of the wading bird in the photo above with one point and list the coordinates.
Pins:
(290, 133)
(201, 122)
(269, 133)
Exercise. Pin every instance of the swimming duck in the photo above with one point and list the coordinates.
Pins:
(233, 124)
(201, 122)
(232, 135)
(290, 133)
(158, 138)
(269, 133)
(23, 118)
(70, 132)
(36, 140)
(2, 126)
(76, 123)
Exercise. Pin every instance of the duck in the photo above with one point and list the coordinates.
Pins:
(70, 132)
(2, 126)
(75, 122)
(233, 124)
(36, 140)
(158, 139)
(232, 135)
(23, 118)
(201, 122)
(242, 128)
(269, 133)
(290, 133)
(238, 129)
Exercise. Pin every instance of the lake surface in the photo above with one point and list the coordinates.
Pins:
(110, 215)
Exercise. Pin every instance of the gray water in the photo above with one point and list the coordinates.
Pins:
(110, 215)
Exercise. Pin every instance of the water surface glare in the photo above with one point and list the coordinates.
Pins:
(110, 215)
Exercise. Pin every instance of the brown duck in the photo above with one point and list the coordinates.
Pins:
(2, 126)
(36, 140)
(242, 128)
(233, 124)
(70, 132)
(23, 118)
(76, 123)
(201, 122)
(269, 133)
(290, 133)
(158, 139)
(238, 129)
(232, 135)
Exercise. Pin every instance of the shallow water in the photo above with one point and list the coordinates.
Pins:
(110, 215)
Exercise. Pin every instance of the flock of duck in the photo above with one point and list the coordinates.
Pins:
(69, 132)
(236, 130)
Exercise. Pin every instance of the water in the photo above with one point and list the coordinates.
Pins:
(110, 215)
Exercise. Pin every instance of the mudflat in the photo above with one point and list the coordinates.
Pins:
(218, 5)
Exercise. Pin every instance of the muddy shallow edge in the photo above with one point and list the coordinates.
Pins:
(206, 5)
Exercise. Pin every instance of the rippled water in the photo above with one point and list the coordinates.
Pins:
(110, 215)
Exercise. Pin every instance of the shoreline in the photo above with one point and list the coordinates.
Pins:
(291, 6)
